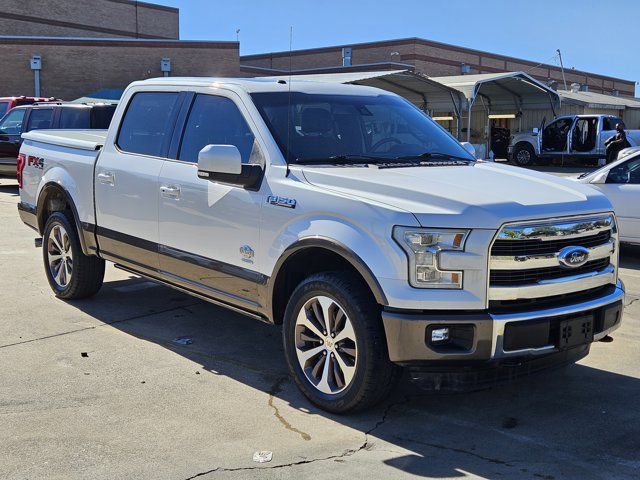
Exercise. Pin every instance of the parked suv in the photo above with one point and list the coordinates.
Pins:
(7, 103)
(342, 212)
(45, 116)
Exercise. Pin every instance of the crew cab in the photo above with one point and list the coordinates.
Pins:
(571, 137)
(44, 116)
(341, 212)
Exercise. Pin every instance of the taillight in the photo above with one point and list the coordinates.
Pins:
(22, 161)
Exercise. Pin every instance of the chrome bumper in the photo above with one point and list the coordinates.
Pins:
(408, 339)
(501, 320)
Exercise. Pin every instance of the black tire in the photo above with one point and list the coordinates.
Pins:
(375, 376)
(87, 272)
(524, 155)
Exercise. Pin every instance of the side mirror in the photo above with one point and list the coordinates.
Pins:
(469, 148)
(536, 131)
(600, 177)
(224, 159)
(223, 164)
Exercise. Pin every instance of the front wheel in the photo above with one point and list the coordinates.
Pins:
(335, 344)
(524, 155)
(71, 274)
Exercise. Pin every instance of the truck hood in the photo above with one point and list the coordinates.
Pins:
(482, 195)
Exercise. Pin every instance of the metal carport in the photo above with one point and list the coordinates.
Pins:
(500, 92)
(422, 91)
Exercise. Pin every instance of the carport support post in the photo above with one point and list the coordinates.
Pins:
(470, 106)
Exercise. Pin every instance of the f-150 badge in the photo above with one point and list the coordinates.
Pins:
(281, 201)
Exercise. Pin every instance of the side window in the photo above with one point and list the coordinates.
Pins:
(40, 119)
(626, 173)
(12, 122)
(215, 121)
(76, 117)
(148, 122)
(101, 116)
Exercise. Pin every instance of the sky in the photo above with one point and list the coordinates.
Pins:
(594, 36)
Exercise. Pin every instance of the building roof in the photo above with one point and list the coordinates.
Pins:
(598, 100)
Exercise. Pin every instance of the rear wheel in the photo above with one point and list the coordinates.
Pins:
(335, 344)
(524, 155)
(71, 273)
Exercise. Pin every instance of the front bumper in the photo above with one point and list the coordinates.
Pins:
(488, 337)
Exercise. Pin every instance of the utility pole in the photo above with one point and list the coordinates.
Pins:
(564, 79)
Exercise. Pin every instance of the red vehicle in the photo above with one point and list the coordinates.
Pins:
(7, 103)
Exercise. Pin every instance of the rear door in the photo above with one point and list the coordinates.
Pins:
(10, 131)
(209, 232)
(622, 187)
(126, 178)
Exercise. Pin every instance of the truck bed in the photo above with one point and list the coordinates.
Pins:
(80, 139)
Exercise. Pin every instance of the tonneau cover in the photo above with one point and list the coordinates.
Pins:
(80, 139)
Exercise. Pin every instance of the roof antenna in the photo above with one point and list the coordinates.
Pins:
(289, 103)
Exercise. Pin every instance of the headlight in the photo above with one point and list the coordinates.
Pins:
(422, 247)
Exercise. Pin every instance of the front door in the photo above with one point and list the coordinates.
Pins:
(126, 180)
(209, 232)
(555, 135)
(622, 187)
(10, 131)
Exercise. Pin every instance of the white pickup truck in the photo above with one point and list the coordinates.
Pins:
(572, 137)
(341, 212)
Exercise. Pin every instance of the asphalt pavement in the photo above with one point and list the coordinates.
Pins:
(144, 382)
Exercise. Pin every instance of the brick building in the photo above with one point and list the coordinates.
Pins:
(91, 45)
(427, 57)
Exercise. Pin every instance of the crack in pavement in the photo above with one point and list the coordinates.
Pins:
(93, 327)
(275, 389)
(366, 445)
(454, 449)
(634, 300)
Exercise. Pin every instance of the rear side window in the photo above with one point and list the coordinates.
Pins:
(40, 119)
(4, 106)
(75, 118)
(101, 116)
(609, 123)
(215, 121)
(148, 123)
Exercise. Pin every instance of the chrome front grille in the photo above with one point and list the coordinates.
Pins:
(557, 257)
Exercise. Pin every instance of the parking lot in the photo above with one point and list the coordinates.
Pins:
(101, 389)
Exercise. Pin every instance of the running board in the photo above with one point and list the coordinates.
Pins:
(218, 303)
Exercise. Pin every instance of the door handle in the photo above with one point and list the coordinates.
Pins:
(106, 178)
(170, 191)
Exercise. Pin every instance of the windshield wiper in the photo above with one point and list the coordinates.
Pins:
(340, 160)
(433, 156)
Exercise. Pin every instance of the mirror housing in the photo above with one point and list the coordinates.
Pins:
(224, 159)
(600, 177)
(223, 164)
(469, 148)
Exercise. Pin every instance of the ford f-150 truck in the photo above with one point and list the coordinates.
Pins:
(573, 137)
(343, 213)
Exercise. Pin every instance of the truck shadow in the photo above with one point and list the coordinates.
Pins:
(11, 189)
(576, 422)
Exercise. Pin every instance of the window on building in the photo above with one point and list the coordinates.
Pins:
(148, 123)
(40, 119)
(12, 123)
(216, 121)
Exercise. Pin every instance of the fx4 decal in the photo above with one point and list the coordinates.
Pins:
(35, 162)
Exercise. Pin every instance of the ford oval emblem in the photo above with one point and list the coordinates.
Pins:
(573, 257)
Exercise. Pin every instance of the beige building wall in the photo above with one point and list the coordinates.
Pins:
(75, 68)
(88, 18)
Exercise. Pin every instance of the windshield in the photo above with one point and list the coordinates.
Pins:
(352, 127)
(4, 106)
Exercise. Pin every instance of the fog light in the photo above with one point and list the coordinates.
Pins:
(439, 335)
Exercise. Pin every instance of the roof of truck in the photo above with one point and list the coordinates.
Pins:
(255, 85)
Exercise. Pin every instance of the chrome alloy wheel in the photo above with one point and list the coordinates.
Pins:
(326, 345)
(523, 157)
(60, 256)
